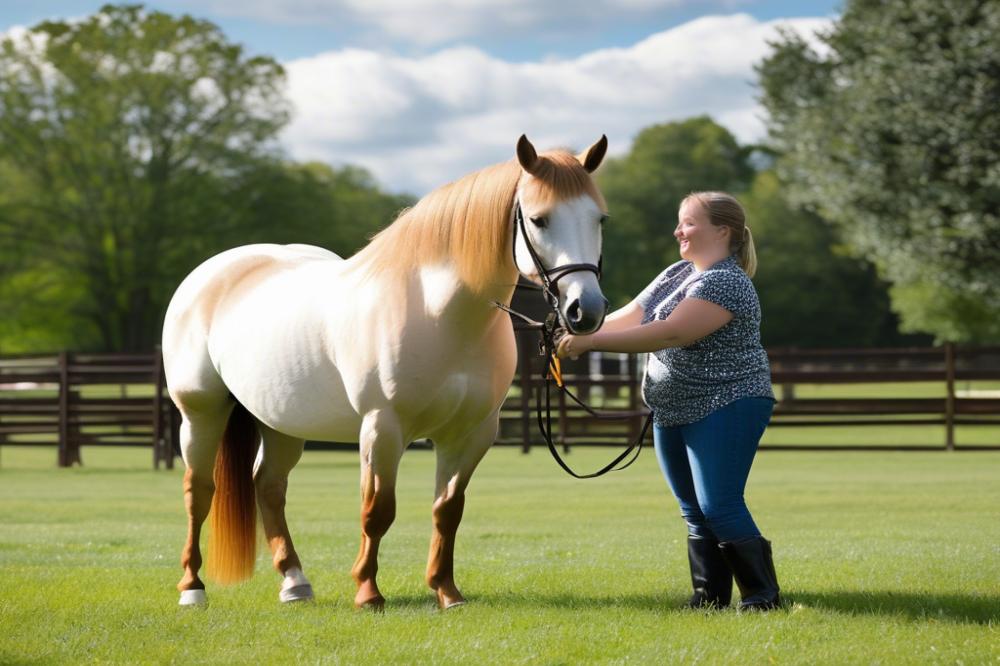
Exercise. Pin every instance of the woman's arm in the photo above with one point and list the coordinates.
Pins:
(623, 318)
(691, 320)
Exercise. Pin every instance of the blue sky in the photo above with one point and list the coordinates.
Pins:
(423, 91)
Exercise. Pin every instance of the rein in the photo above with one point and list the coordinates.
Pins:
(548, 330)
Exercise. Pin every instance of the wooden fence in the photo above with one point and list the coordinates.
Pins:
(612, 382)
(70, 400)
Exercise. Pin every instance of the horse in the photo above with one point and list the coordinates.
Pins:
(266, 346)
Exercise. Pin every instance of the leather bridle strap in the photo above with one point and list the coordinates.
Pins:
(548, 346)
(549, 277)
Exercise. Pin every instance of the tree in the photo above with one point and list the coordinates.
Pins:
(813, 293)
(645, 187)
(127, 134)
(336, 208)
(892, 133)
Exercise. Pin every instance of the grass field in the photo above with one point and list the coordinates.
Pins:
(884, 558)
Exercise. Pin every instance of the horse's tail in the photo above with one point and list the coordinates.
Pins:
(233, 545)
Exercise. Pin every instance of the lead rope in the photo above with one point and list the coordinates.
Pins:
(547, 348)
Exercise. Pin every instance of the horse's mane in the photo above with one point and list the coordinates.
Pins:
(468, 221)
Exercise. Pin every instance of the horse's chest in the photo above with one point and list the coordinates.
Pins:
(457, 397)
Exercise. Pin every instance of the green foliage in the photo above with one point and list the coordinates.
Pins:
(336, 208)
(133, 145)
(124, 129)
(555, 570)
(892, 132)
(931, 306)
(812, 293)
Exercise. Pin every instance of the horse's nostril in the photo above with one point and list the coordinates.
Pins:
(574, 312)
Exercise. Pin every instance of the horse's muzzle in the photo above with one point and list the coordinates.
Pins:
(585, 314)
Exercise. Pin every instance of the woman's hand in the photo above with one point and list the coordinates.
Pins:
(574, 345)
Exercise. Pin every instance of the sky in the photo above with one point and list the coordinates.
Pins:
(421, 92)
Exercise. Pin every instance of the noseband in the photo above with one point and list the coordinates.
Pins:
(549, 277)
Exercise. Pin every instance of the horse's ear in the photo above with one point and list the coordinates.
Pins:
(526, 154)
(592, 158)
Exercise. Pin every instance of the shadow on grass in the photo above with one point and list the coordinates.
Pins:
(967, 609)
(641, 602)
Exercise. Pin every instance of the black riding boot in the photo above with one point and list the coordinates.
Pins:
(753, 568)
(711, 577)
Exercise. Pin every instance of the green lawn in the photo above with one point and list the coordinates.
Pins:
(884, 557)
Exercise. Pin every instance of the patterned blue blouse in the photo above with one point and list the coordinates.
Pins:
(685, 384)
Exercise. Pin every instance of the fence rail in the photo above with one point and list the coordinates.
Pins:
(612, 383)
(71, 400)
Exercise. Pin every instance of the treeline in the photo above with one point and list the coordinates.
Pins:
(135, 144)
(812, 292)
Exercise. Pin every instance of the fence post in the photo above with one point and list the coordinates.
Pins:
(633, 398)
(63, 457)
(159, 441)
(949, 403)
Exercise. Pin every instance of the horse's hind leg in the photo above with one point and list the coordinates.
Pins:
(381, 448)
(456, 461)
(200, 433)
(280, 453)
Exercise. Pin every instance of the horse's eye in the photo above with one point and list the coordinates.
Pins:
(604, 219)
(540, 222)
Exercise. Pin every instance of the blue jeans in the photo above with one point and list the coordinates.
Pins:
(707, 463)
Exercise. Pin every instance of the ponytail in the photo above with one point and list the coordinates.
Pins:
(746, 254)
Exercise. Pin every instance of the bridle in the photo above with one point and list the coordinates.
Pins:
(549, 330)
(549, 277)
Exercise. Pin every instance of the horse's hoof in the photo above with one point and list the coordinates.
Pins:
(297, 593)
(193, 598)
(375, 604)
(446, 601)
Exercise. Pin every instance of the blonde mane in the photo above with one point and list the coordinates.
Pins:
(468, 221)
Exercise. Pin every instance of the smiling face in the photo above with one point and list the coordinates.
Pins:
(700, 240)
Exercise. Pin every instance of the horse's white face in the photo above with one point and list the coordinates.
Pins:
(568, 233)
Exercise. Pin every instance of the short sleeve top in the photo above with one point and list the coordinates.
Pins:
(685, 384)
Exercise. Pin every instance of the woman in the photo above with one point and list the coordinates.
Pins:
(709, 385)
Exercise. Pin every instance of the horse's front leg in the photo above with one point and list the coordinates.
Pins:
(381, 448)
(456, 461)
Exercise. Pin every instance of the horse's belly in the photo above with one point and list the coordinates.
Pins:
(311, 405)
(324, 421)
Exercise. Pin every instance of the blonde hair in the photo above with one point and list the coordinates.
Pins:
(468, 220)
(724, 210)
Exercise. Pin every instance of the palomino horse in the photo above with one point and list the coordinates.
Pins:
(266, 346)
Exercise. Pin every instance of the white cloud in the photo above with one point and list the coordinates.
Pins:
(417, 123)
